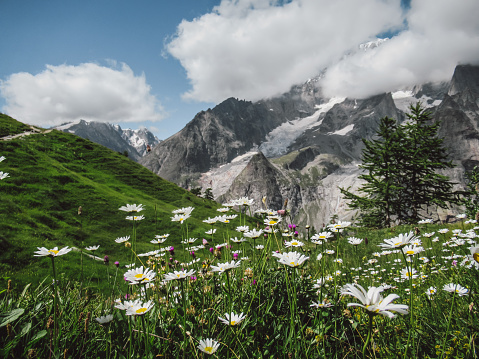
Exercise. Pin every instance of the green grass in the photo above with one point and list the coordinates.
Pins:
(54, 173)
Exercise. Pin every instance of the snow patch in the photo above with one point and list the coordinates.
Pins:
(278, 140)
(344, 131)
(68, 125)
(404, 99)
(221, 178)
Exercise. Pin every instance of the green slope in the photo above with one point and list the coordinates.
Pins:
(52, 174)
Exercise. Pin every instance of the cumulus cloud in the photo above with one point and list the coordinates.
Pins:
(255, 49)
(440, 35)
(88, 91)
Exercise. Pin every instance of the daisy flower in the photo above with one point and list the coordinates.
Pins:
(407, 274)
(244, 201)
(253, 233)
(233, 319)
(211, 231)
(122, 239)
(242, 229)
(456, 288)
(139, 308)
(431, 291)
(399, 241)
(355, 241)
(224, 267)
(3, 175)
(180, 218)
(208, 346)
(373, 301)
(292, 259)
(178, 275)
(411, 250)
(210, 220)
(293, 243)
(92, 248)
(272, 221)
(425, 221)
(139, 275)
(132, 208)
(55, 252)
(323, 304)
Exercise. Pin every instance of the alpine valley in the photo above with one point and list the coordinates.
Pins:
(301, 146)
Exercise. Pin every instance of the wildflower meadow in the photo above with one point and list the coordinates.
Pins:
(273, 291)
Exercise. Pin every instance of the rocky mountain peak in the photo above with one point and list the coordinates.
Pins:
(465, 77)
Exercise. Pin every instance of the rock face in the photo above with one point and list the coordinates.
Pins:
(134, 142)
(309, 146)
(216, 136)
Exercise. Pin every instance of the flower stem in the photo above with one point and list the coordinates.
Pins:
(448, 325)
(368, 339)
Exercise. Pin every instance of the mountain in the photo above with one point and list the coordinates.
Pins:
(301, 146)
(134, 142)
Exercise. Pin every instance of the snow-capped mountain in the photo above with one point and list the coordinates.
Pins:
(134, 142)
(301, 146)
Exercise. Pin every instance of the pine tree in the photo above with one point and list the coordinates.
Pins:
(422, 157)
(380, 162)
(401, 172)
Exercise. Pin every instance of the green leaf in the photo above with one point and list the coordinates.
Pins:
(26, 328)
(37, 337)
(10, 316)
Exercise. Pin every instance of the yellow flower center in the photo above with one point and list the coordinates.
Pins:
(476, 257)
(209, 350)
(233, 322)
(272, 222)
(294, 243)
(139, 275)
(397, 244)
(53, 251)
(293, 264)
(410, 252)
(178, 275)
(141, 310)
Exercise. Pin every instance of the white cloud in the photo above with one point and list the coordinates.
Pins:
(255, 49)
(440, 35)
(88, 91)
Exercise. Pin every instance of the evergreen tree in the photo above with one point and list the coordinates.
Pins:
(380, 162)
(422, 156)
(401, 172)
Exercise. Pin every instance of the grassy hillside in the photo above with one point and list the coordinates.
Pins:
(52, 174)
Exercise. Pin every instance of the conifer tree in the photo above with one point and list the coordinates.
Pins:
(423, 155)
(401, 172)
(380, 162)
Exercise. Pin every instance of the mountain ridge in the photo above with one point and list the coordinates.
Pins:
(312, 150)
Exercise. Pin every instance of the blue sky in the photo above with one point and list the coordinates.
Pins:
(156, 63)
(55, 32)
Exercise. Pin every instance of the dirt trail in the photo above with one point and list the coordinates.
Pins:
(34, 131)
